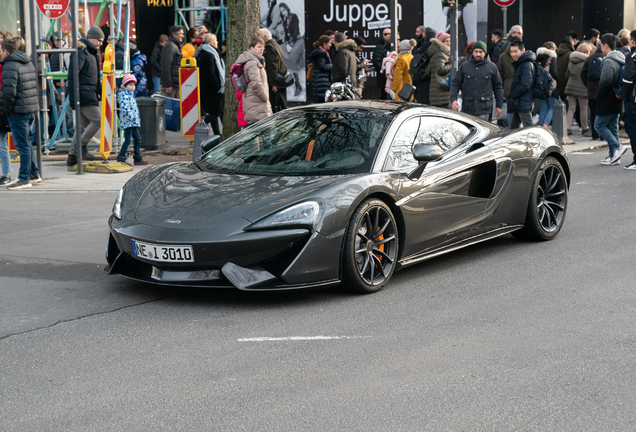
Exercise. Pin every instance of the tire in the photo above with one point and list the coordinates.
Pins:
(548, 203)
(369, 261)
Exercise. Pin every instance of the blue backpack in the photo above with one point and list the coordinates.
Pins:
(595, 68)
(618, 86)
(542, 86)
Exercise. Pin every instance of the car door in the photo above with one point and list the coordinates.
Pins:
(448, 200)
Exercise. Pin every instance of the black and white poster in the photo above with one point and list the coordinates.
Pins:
(286, 21)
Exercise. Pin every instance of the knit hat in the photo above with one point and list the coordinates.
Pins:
(94, 33)
(480, 45)
(429, 33)
(442, 36)
(405, 45)
(128, 78)
(469, 47)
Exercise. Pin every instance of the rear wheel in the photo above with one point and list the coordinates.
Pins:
(371, 247)
(548, 203)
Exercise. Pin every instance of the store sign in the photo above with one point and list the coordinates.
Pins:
(160, 3)
(53, 8)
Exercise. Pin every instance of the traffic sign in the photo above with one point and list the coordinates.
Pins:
(504, 3)
(189, 93)
(108, 103)
(53, 8)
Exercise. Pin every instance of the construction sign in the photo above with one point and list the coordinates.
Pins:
(108, 103)
(189, 93)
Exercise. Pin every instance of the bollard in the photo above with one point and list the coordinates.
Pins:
(559, 120)
(200, 133)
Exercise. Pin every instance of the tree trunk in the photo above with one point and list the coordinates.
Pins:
(243, 24)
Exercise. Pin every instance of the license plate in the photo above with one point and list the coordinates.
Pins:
(162, 253)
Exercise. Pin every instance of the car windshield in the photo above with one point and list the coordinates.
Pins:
(304, 142)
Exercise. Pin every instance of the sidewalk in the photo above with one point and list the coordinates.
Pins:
(57, 178)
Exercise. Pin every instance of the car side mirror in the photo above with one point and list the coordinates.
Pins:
(424, 153)
(208, 144)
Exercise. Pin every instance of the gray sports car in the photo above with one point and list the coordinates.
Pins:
(334, 193)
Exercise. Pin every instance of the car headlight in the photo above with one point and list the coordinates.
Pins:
(117, 205)
(306, 213)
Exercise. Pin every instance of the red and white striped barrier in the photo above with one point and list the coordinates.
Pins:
(189, 93)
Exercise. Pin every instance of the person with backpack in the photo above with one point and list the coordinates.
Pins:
(478, 79)
(575, 90)
(608, 105)
(521, 90)
(138, 62)
(629, 97)
(546, 59)
(256, 98)
(590, 75)
(417, 68)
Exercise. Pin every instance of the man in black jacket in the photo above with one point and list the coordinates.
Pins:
(274, 65)
(417, 69)
(19, 101)
(629, 97)
(171, 61)
(521, 98)
(155, 62)
(382, 47)
(496, 37)
(89, 90)
(478, 79)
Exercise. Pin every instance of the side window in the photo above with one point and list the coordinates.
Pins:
(401, 153)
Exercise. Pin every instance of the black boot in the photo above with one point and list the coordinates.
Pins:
(71, 160)
(299, 88)
(86, 155)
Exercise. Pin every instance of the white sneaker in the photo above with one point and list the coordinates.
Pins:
(631, 166)
(535, 119)
(608, 161)
(618, 153)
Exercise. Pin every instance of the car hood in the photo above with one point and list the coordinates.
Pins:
(185, 197)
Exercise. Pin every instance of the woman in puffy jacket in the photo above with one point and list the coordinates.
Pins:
(438, 69)
(575, 90)
(400, 71)
(321, 78)
(256, 98)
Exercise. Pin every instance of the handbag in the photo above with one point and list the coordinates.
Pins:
(284, 80)
(443, 80)
(310, 71)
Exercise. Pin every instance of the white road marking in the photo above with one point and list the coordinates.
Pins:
(582, 153)
(298, 338)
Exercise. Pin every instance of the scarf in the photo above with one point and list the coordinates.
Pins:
(220, 66)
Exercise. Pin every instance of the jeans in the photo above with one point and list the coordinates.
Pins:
(630, 124)
(607, 128)
(547, 109)
(91, 122)
(518, 118)
(20, 125)
(5, 157)
(213, 120)
(156, 83)
(130, 134)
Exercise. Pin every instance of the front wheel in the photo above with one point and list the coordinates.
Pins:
(371, 247)
(548, 203)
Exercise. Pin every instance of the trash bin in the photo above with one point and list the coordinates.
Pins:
(173, 112)
(153, 128)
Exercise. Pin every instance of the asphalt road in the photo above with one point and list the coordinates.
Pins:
(505, 335)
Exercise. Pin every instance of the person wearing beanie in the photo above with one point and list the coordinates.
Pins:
(401, 74)
(346, 63)
(478, 80)
(129, 119)
(438, 69)
(420, 61)
(89, 93)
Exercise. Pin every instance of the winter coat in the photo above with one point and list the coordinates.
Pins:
(346, 62)
(275, 64)
(321, 79)
(128, 109)
(4, 122)
(606, 101)
(209, 83)
(496, 51)
(629, 76)
(592, 85)
(521, 97)
(155, 61)
(401, 73)
(241, 117)
(138, 62)
(575, 86)
(170, 63)
(506, 70)
(88, 64)
(379, 54)
(478, 81)
(543, 54)
(438, 65)
(387, 70)
(256, 98)
(563, 60)
(19, 90)
(624, 50)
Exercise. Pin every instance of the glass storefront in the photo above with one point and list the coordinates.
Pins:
(10, 18)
